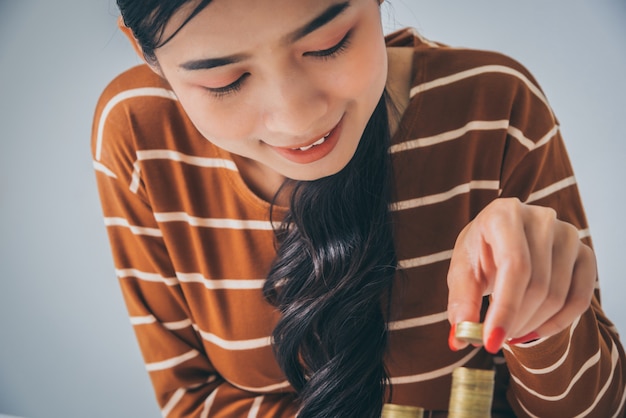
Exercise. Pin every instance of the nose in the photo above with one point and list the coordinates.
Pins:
(294, 106)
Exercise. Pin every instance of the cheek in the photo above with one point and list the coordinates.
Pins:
(218, 122)
(365, 72)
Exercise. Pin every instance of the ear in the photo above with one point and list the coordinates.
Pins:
(129, 34)
(135, 44)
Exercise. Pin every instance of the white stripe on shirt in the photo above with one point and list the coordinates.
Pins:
(146, 276)
(556, 364)
(449, 194)
(234, 345)
(592, 361)
(529, 143)
(224, 223)
(417, 322)
(135, 179)
(166, 154)
(475, 125)
(268, 388)
(425, 260)
(553, 188)
(256, 406)
(98, 166)
(150, 319)
(208, 403)
(171, 362)
(601, 392)
(173, 401)
(434, 374)
(120, 97)
(220, 284)
(142, 320)
(453, 78)
(137, 230)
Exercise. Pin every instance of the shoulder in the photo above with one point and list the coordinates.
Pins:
(454, 89)
(436, 64)
(136, 109)
(491, 82)
(136, 87)
(135, 77)
(435, 59)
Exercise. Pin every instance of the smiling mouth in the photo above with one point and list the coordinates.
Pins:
(312, 151)
(314, 144)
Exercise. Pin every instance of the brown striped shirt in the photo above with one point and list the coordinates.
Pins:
(192, 244)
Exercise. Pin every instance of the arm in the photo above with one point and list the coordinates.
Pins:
(539, 270)
(185, 381)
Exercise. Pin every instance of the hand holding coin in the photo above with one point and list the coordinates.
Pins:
(537, 272)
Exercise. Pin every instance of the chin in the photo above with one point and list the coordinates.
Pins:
(309, 174)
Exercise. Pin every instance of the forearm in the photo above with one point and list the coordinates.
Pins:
(580, 371)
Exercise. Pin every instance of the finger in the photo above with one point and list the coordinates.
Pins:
(579, 296)
(511, 255)
(540, 235)
(465, 289)
(564, 252)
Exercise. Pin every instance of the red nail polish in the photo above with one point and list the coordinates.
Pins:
(495, 340)
(525, 339)
(451, 338)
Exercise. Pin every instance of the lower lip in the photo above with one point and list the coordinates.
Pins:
(315, 153)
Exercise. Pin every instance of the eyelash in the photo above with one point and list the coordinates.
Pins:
(333, 51)
(324, 54)
(234, 87)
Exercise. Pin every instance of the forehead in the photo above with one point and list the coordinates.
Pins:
(226, 24)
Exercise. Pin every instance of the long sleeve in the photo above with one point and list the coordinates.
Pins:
(172, 338)
(477, 128)
(581, 370)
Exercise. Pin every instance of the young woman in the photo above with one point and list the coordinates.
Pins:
(301, 208)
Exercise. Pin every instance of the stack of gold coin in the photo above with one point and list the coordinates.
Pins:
(401, 411)
(471, 395)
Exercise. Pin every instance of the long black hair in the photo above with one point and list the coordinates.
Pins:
(331, 278)
(332, 274)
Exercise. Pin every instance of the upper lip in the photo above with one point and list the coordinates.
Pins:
(311, 140)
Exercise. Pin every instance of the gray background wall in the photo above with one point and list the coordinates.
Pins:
(66, 346)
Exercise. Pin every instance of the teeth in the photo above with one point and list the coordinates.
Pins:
(318, 142)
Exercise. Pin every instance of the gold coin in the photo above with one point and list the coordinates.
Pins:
(401, 411)
(471, 332)
(472, 393)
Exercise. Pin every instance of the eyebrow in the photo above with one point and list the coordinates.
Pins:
(324, 18)
(208, 63)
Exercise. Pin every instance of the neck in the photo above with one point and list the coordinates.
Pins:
(262, 180)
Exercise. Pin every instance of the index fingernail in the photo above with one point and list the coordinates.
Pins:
(495, 340)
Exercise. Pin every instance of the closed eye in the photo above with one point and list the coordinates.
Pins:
(333, 51)
(232, 88)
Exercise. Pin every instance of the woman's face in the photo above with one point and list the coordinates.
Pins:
(287, 85)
